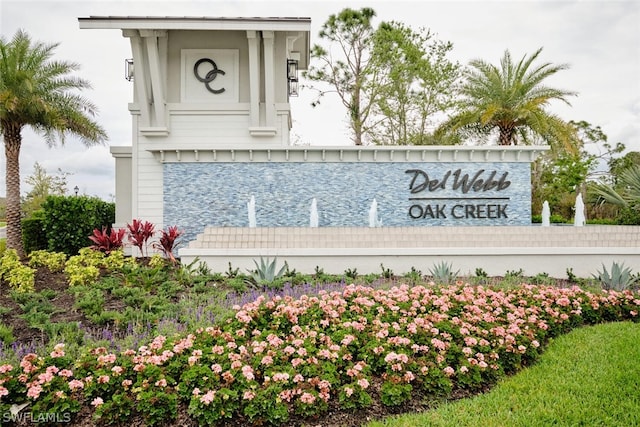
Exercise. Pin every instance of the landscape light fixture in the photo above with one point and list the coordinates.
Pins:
(292, 77)
(128, 69)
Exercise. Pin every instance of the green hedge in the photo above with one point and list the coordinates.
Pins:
(553, 219)
(629, 215)
(70, 220)
(33, 236)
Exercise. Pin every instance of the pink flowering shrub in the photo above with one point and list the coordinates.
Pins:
(284, 356)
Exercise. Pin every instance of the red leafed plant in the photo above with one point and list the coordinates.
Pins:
(107, 241)
(168, 242)
(139, 233)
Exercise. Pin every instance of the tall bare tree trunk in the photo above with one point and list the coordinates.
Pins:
(12, 142)
(355, 113)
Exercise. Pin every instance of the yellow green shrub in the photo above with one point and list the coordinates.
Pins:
(19, 276)
(54, 261)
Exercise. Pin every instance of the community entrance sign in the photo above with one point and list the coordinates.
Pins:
(468, 186)
(211, 120)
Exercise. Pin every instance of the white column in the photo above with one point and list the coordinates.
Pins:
(140, 76)
(254, 79)
(269, 79)
(155, 72)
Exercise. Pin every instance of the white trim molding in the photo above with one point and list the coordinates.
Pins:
(432, 153)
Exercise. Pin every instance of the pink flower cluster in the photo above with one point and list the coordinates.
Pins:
(306, 350)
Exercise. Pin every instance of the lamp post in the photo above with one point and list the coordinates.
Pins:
(76, 189)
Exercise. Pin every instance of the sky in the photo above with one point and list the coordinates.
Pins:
(599, 40)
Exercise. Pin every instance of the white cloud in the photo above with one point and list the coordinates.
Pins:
(600, 40)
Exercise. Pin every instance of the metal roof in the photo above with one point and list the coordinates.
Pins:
(196, 23)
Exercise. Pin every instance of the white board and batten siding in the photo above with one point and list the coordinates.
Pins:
(192, 129)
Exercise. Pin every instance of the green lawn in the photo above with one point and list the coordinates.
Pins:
(589, 377)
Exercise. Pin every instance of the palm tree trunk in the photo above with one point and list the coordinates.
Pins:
(506, 135)
(12, 142)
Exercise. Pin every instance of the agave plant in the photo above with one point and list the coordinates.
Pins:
(443, 273)
(619, 279)
(265, 272)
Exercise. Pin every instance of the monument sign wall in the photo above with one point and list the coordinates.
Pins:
(467, 187)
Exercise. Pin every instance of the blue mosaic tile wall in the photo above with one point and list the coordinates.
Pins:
(216, 194)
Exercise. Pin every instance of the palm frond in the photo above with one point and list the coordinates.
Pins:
(607, 194)
(512, 98)
(630, 178)
(626, 194)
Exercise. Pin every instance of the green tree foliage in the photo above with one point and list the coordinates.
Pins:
(558, 176)
(509, 101)
(416, 82)
(43, 185)
(620, 164)
(558, 179)
(391, 79)
(38, 92)
(351, 75)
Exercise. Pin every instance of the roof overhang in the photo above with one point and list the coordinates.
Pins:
(195, 23)
(204, 23)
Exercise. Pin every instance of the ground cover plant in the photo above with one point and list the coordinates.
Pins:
(168, 348)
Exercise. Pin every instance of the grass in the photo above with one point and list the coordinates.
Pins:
(589, 377)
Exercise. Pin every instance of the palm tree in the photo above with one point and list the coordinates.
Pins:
(37, 91)
(511, 99)
(627, 194)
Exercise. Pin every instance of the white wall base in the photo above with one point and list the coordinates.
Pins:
(496, 250)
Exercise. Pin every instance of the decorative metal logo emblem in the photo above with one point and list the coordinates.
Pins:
(210, 76)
